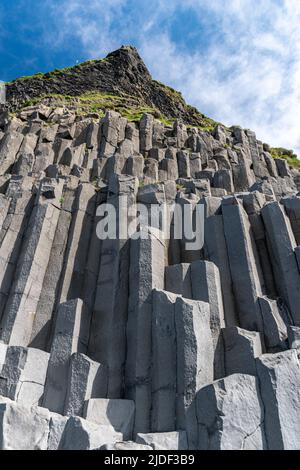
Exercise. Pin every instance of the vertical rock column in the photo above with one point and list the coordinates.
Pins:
(279, 376)
(282, 243)
(230, 415)
(45, 309)
(73, 273)
(190, 214)
(243, 176)
(206, 286)
(195, 357)
(112, 132)
(215, 250)
(146, 273)
(12, 230)
(292, 207)
(70, 336)
(164, 373)
(253, 203)
(146, 132)
(9, 147)
(259, 165)
(108, 333)
(20, 310)
(201, 281)
(243, 265)
(182, 361)
(87, 379)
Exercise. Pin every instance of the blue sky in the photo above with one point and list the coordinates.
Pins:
(238, 61)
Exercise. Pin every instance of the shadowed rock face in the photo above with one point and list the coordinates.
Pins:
(121, 72)
(143, 343)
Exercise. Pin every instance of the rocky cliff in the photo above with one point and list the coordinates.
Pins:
(121, 74)
(139, 342)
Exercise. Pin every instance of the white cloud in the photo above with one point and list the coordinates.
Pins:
(247, 73)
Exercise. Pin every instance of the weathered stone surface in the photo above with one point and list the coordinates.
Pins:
(244, 265)
(15, 218)
(183, 161)
(87, 379)
(164, 373)
(178, 280)
(253, 203)
(259, 165)
(45, 155)
(57, 427)
(147, 267)
(279, 376)
(216, 251)
(241, 348)
(230, 415)
(281, 244)
(274, 327)
(18, 317)
(135, 166)
(195, 164)
(170, 168)
(111, 300)
(243, 177)
(42, 327)
(129, 445)
(73, 273)
(70, 335)
(3, 349)
(206, 286)
(116, 413)
(151, 194)
(190, 248)
(194, 360)
(25, 157)
(282, 167)
(164, 441)
(292, 207)
(271, 164)
(9, 147)
(146, 131)
(23, 375)
(112, 131)
(294, 337)
(23, 428)
(223, 179)
(80, 434)
(151, 171)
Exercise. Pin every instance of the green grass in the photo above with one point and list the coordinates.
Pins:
(286, 154)
(56, 72)
(169, 90)
(129, 107)
(97, 103)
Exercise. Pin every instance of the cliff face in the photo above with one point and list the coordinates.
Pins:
(121, 73)
(104, 342)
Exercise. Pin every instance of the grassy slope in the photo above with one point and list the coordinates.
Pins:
(129, 106)
(97, 102)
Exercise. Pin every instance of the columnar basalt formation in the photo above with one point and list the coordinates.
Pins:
(140, 342)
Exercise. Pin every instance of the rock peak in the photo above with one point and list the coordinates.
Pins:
(121, 72)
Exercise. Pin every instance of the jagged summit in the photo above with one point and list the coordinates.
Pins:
(121, 73)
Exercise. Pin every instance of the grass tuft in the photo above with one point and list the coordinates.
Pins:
(286, 154)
